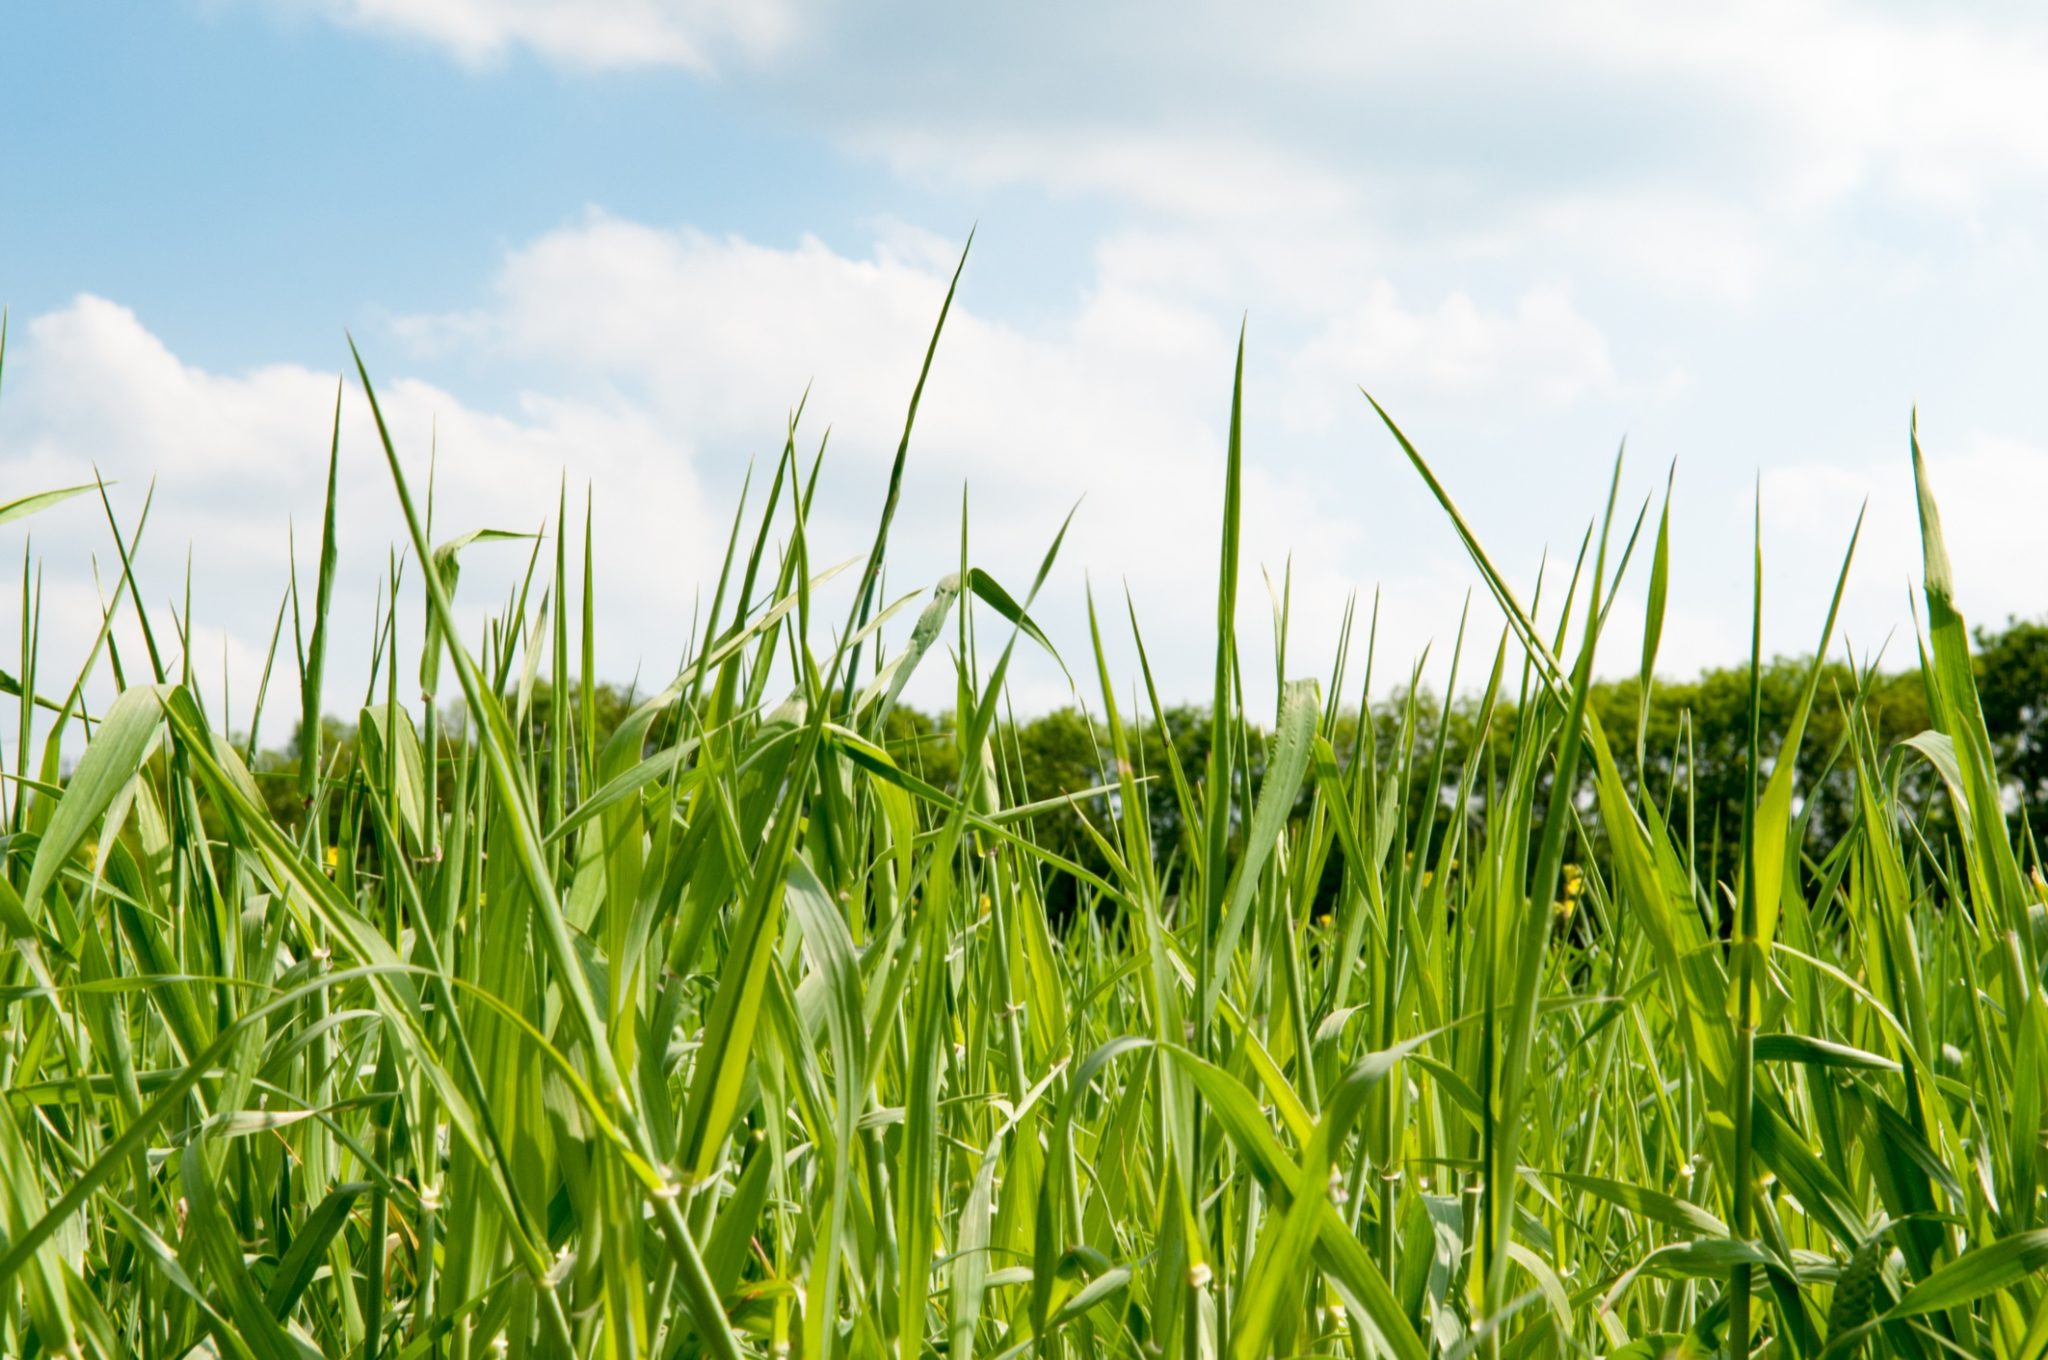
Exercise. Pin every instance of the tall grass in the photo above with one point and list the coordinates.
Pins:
(725, 1033)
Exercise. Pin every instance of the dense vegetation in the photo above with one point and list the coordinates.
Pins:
(1696, 738)
(760, 1016)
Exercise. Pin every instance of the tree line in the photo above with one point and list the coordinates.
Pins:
(1693, 751)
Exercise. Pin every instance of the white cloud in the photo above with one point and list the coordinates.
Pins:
(1990, 491)
(1544, 347)
(1683, 244)
(1702, 152)
(1212, 111)
(657, 362)
(1706, 151)
(1219, 176)
(235, 457)
(1119, 399)
(1935, 108)
(697, 35)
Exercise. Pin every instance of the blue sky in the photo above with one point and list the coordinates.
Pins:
(613, 241)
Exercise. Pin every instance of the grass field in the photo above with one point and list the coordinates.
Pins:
(725, 1033)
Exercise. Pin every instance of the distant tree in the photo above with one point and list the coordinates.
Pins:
(1695, 750)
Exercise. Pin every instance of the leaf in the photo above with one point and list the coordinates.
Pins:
(1651, 1204)
(1993, 868)
(1653, 614)
(390, 742)
(1338, 1253)
(985, 586)
(1292, 746)
(1800, 1048)
(447, 570)
(829, 945)
(24, 506)
(1275, 1279)
(1983, 1270)
(21, 1207)
(114, 756)
(309, 1248)
(1774, 809)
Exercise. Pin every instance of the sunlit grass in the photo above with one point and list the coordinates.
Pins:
(721, 1031)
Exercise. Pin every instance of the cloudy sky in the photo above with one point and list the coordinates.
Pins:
(613, 241)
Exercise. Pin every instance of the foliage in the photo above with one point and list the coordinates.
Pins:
(747, 1018)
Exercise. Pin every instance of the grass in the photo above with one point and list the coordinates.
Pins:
(725, 1033)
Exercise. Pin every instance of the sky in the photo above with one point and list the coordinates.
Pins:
(609, 245)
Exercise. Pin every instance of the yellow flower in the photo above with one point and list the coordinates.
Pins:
(1574, 882)
(333, 857)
